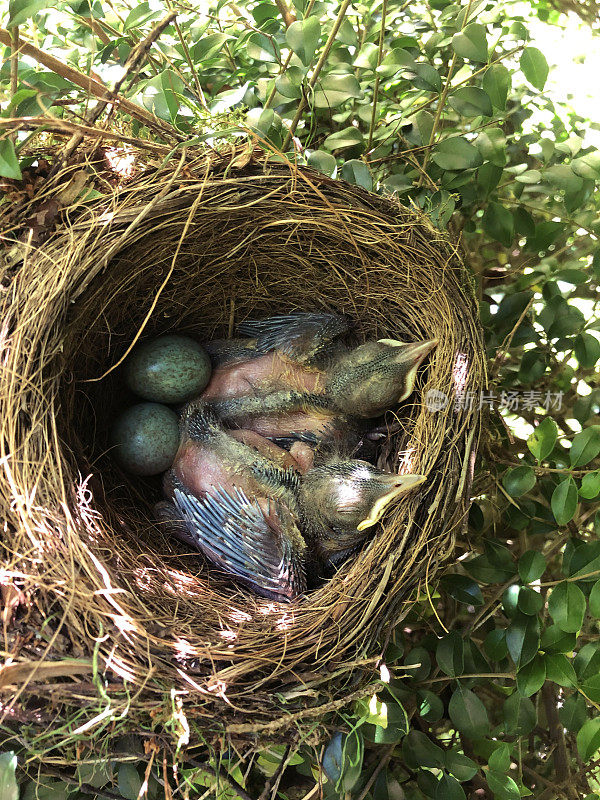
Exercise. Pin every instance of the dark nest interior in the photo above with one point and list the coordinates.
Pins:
(112, 610)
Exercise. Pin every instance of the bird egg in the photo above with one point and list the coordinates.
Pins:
(146, 438)
(168, 369)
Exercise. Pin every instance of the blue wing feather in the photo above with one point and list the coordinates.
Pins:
(234, 533)
(295, 334)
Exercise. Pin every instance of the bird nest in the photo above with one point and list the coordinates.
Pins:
(111, 621)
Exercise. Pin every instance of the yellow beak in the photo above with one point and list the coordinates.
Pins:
(401, 484)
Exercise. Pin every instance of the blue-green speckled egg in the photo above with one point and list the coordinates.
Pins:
(146, 438)
(168, 369)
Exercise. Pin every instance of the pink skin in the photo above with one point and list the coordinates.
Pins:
(271, 371)
(201, 469)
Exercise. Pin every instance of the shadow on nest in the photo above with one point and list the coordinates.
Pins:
(195, 247)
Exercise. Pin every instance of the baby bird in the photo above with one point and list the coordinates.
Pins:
(280, 352)
(360, 384)
(259, 541)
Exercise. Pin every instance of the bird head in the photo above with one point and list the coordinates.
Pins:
(376, 376)
(352, 495)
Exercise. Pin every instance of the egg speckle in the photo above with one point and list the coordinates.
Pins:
(168, 369)
(146, 438)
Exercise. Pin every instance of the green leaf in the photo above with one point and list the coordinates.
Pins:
(534, 66)
(430, 706)
(468, 713)
(587, 660)
(585, 446)
(262, 48)
(500, 758)
(459, 765)
(560, 670)
(573, 713)
(456, 154)
(471, 43)
(542, 440)
(530, 176)
(303, 38)
(566, 606)
(499, 223)
(529, 601)
(450, 654)
(207, 47)
(395, 61)
(502, 785)
(562, 177)
(470, 101)
(160, 94)
(322, 161)
(587, 166)
(555, 640)
(523, 639)
(590, 485)
(340, 140)
(564, 501)
(532, 566)
(496, 83)
(519, 715)
(419, 751)
(418, 655)
(424, 76)
(518, 480)
(448, 788)
(9, 163)
(139, 15)
(492, 146)
(494, 645)
(594, 600)
(588, 739)
(587, 350)
(463, 589)
(531, 677)
(367, 57)
(9, 789)
(129, 781)
(357, 172)
(334, 89)
(590, 687)
(21, 10)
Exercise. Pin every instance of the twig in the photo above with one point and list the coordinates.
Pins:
(273, 781)
(67, 128)
(314, 77)
(133, 61)
(85, 788)
(94, 87)
(286, 14)
(239, 790)
(442, 100)
(287, 61)
(14, 67)
(383, 761)
(377, 76)
(559, 756)
(193, 70)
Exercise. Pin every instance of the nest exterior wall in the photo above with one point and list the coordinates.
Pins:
(198, 249)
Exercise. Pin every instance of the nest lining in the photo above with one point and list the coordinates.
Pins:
(196, 250)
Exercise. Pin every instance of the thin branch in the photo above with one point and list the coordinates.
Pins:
(383, 762)
(286, 14)
(239, 790)
(377, 76)
(321, 62)
(90, 85)
(273, 782)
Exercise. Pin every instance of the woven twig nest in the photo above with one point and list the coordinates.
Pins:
(196, 247)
